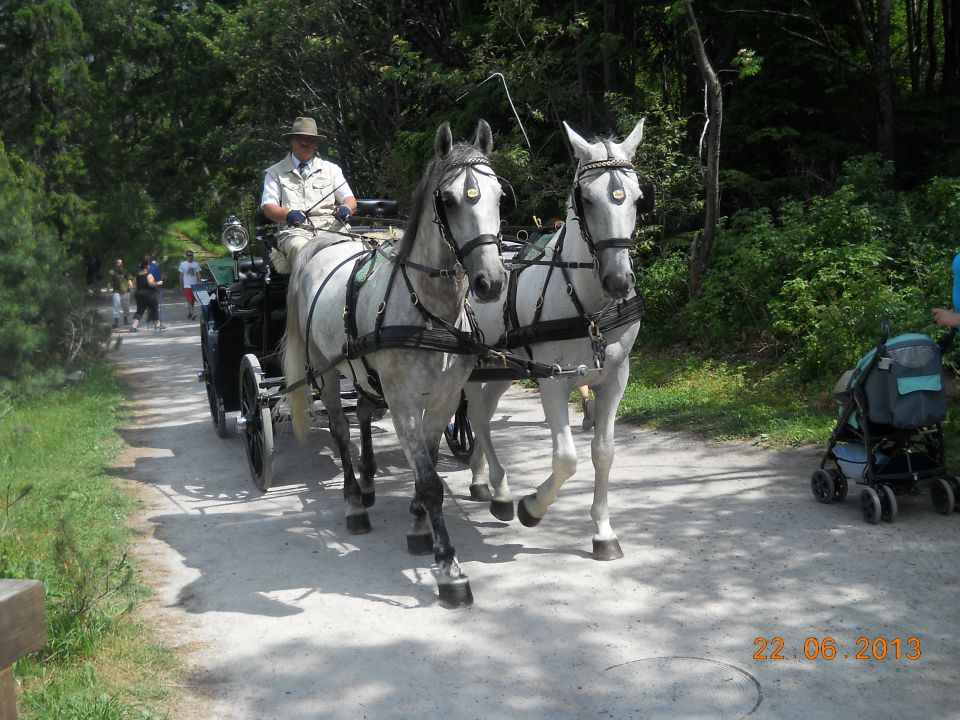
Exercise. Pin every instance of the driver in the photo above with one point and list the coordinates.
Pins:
(304, 193)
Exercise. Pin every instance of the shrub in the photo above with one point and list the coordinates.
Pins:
(44, 326)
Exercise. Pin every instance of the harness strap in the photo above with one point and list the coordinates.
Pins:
(573, 328)
(311, 376)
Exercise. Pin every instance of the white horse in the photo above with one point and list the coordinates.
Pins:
(576, 306)
(394, 321)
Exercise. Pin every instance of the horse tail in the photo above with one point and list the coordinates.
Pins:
(294, 347)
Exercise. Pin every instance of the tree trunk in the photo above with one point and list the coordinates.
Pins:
(950, 77)
(703, 242)
(875, 33)
(931, 49)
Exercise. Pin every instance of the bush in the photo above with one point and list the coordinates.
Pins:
(810, 284)
(44, 326)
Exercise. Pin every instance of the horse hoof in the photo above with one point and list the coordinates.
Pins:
(358, 524)
(607, 549)
(526, 519)
(420, 544)
(368, 499)
(456, 594)
(502, 509)
(481, 492)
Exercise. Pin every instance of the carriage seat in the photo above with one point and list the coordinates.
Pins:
(251, 268)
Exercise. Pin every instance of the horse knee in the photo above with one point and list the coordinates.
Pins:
(564, 464)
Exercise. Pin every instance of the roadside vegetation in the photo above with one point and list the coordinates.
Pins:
(62, 522)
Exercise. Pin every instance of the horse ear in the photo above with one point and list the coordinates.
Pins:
(484, 139)
(443, 142)
(632, 142)
(580, 146)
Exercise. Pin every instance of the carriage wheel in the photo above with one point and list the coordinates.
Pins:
(257, 423)
(870, 505)
(217, 413)
(822, 485)
(942, 495)
(888, 504)
(954, 483)
(459, 434)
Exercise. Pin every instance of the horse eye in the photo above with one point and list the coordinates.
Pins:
(448, 198)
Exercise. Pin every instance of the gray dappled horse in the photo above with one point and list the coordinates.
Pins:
(394, 321)
(583, 285)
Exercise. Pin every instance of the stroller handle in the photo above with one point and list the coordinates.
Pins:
(947, 340)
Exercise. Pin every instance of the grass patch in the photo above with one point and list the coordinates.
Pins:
(729, 400)
(724, 400)
(62, 522)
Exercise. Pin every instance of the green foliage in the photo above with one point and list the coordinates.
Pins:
(62, 522)
(810, 283)
(44, 327)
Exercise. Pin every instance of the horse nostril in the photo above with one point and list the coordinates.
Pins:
(482, 285)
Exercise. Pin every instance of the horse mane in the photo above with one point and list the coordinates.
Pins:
(422, 200)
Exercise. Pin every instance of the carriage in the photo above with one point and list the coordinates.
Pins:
(243, 319)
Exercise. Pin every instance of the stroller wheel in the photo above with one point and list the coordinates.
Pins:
(839, 486)
(822, 486)
(942, 495)
(870, 505)
(888, 503)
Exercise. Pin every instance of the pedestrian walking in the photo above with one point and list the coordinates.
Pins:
(121, 283)
(189, 275)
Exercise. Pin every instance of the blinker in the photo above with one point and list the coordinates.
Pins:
(470, 188)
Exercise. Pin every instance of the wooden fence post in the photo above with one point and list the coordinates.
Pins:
(23, 629)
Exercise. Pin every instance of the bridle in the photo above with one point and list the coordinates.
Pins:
(615, 194)
(471, 193)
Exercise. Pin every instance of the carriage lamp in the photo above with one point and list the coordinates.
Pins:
(234, 235)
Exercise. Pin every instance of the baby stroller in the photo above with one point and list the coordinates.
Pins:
(889, 437)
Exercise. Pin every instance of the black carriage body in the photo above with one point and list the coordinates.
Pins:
(243, 311)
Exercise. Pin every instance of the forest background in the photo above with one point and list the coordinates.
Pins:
(839, 189)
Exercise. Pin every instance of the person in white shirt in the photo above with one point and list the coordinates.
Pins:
(189, 275)
(304, 193)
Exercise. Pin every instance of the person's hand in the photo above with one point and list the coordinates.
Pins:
(296, 217)
(342, 213)
(946, 318)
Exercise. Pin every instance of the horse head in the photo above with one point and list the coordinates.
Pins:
(606, 198)
(467, 198)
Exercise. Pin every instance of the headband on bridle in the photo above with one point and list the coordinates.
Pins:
(615, 192)
(471, 191)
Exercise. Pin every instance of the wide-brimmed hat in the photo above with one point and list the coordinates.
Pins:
(304, 126)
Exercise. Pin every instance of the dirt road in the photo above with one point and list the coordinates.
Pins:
(729, 563)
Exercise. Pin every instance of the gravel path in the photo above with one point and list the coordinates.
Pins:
(281, 614)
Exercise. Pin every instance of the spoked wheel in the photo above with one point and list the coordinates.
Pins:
(954, 483)
(217, 413)
(459, 434)
(870, 505)
(888, 503)
(257, 424)
(942, 495)
(822, 486)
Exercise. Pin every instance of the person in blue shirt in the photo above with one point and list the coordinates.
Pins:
(951, 318)
(154, 269)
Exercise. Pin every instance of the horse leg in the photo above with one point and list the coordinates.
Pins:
(427, 504)
(553, 397)
(368, 462)
(482, 403)
(605, 543)
(358, 522)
